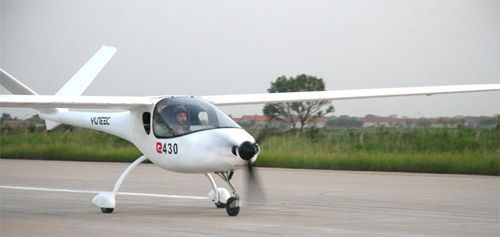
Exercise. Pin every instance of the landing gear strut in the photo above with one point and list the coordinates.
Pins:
(106, 200)
(221, 197)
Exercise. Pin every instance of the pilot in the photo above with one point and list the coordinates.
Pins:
(181, 120)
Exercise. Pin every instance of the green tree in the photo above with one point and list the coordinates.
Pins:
(345, 122)
(5, 117)
(298, 111)
(36, 119)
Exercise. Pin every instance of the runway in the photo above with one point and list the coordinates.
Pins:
(50, 198)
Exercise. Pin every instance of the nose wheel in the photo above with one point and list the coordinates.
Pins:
(233, 206)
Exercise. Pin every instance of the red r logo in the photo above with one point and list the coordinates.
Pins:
(158, 147)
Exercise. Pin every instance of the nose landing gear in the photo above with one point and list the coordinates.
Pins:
(221, 196)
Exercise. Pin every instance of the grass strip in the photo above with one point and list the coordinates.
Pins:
(440, 150)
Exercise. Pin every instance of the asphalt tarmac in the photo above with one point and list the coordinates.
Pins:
(53, 198)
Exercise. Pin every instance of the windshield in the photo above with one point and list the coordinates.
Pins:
(178, 116)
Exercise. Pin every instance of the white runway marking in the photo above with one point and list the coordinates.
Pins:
(96, 192)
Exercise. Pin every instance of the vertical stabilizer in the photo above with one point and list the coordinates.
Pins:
(74, 87)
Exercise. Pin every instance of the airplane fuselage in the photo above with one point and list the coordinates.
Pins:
(208, 147)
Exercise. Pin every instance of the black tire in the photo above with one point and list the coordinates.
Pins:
(231, 209)
(220, 204)
(107, 210)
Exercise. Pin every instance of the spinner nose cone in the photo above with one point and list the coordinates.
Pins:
(247, 150)
(238, 148)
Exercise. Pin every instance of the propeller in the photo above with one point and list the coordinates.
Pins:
(247, 150)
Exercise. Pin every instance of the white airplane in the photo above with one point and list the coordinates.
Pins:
(186, 134)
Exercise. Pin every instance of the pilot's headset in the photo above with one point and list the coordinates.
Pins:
(181, 109)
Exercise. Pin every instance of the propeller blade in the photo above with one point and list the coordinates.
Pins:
(247, 150)
(254, 191)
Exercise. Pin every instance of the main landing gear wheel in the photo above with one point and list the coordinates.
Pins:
(107, 210)
(232, 206)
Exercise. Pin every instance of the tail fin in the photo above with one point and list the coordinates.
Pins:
(82, 79)
(74, 87)
(18, 88)
(13, 85)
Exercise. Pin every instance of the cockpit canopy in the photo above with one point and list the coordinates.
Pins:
(183, 115)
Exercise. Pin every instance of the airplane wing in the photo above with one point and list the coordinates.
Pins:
(69, 95)
(126, 102)
(345, 94)
(51, 101)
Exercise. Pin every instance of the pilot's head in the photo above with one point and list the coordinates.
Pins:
(180, 115)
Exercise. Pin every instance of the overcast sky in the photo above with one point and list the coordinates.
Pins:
(230, 47)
